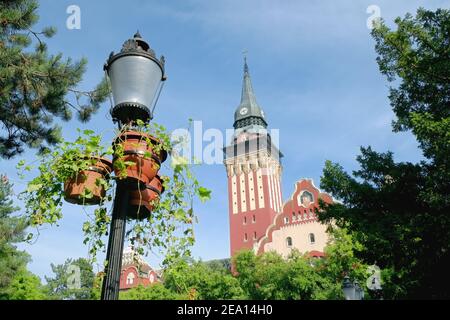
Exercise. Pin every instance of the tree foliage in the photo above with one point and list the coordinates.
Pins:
(34, 84)
(270, 277)
(25, 286)
(63, 285)
(12, 231)
(399, 211)
(261, 277)
(155, 291)
(202, 281)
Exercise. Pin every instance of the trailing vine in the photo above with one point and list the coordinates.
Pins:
(168, 231)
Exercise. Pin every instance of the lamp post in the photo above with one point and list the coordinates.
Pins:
(348, 289)
(352, 290)
(136, 78)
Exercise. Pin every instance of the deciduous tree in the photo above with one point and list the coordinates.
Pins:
(399, 211)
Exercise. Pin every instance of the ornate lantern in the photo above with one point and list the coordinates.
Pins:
(136, 77)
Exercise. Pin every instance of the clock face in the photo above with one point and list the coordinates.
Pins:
(243, 111)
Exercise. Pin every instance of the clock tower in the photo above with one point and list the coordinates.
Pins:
(253, 168)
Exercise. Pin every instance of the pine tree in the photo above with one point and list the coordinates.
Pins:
(12, 230)
(36, 87)
(60, 286)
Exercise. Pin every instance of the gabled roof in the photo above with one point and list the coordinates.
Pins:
(291, 205)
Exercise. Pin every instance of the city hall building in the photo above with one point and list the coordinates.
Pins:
(259, 219)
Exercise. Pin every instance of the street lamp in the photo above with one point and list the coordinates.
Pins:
(348, 288)
(352, 290)
(359, 292)
(136, 78)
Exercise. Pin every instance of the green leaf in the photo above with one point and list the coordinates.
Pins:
(34, 187)
(204, 194)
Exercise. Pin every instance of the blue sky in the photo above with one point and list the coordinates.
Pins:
(313, 69)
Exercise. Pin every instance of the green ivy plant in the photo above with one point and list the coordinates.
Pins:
(45, 193)
(168, 230)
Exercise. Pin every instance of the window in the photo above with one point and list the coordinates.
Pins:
(245, 220)
(289, 242)
(293, 216)
(305, 198)
(130, 278)
(312, 239)
(286, 220)
(254, 219)
(254, 235)
(245, 237)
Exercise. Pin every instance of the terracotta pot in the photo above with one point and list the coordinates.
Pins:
(86, 179)
(135, 147)
(141, 201)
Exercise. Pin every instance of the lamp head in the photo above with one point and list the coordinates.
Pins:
(135, 75)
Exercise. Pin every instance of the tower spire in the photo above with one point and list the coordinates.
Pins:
(249, 114)
(245, 61)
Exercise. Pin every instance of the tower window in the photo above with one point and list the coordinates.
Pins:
(130, 278)
(312, 238)
(286, 220)
(289, 242)
(245, 237)
(254, 236)
(245, 220)
(254, 219)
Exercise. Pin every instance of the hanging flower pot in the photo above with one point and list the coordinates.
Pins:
(87, 187)
(136, 156)
(141, 201)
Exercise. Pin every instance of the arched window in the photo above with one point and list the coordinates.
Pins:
(130, 278)
(289, 242)
(254, 235)
(286, 220)
(254, 219)
(312, 238)
(245, 220)
(245, 237)
(305, 199)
